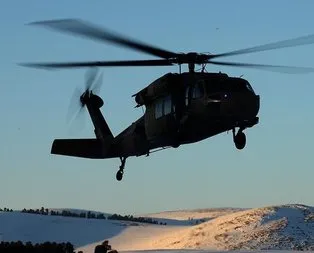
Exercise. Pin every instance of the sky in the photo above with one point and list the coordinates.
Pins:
(275, 167)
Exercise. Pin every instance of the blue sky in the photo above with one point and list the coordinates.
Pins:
(275, 167)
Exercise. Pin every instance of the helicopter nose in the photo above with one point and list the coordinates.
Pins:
(257, 104)
(244, 106)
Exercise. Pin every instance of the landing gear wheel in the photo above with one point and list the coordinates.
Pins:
(120, 172)
(119, 175)
(240, 140)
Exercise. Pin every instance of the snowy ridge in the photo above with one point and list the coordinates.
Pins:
(284, 227)
(194, 214)
(278, 227)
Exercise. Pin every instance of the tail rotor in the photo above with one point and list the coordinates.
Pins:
(93, 83)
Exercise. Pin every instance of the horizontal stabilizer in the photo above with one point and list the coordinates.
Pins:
(86, 148)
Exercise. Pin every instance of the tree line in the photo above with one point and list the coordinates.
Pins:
(136, 219)
(87, 215)
(6, 210)
(28, 247)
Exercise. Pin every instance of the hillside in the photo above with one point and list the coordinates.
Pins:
(282, 227)
(37, 228)
(277, 227)
(193, 214)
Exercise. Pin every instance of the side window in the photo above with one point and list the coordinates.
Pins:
(163, 106)
(167, 105)
(198, 90)
(187, 90)
(158, 109)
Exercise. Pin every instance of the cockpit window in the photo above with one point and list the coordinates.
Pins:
(237, 85)
(198, 90)
(194, 91)
(230, 84)
(249, 87)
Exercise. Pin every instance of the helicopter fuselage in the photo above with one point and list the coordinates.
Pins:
(179, 109)
(187, 108)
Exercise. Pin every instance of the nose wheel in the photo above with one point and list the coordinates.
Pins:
(239, 139)
(120, 172)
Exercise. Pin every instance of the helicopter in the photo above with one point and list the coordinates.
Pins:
(180, 108)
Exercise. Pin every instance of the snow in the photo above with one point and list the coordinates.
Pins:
(192, 216)
(284, 227)
(40, 228)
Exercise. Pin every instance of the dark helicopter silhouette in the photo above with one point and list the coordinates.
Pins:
(180, 107)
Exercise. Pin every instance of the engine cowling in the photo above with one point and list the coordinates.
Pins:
(157, 88)
(97, 101)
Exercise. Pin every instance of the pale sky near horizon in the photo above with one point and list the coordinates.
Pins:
(275, 167)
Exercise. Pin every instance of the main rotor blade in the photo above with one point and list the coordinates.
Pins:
(304, 40)
(274, 68)
(82, 28)
(131, 63)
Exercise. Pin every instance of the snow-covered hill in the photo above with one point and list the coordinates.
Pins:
(25, 227)
(194, 214)
(276, 227)
(283, 227)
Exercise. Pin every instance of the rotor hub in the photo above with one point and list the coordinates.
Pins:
(85, 97)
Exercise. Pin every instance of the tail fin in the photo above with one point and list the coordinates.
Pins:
(88, 148)
(98, 148)
(102, 130)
